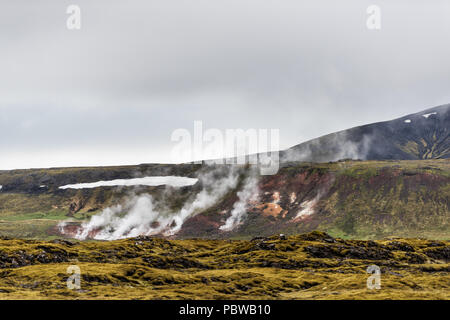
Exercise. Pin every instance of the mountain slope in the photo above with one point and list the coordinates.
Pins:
(423, 135)
(353, 199)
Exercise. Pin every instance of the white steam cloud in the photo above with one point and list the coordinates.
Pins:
(137, 216)
(249, 193)
(333, 147)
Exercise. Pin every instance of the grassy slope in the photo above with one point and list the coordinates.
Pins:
(362, 200)
(367, 200)
(29, 211)
(378, 199)
(308, 266)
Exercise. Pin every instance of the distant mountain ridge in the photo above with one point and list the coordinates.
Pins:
(422, 135)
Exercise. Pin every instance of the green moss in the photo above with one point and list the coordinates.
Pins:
(152, 268)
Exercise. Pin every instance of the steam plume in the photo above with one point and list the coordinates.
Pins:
(249, 193)
(141, 218)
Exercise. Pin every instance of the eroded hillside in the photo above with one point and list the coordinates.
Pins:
(356, 199)
(349, 199)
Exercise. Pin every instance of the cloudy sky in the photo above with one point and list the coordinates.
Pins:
(114, 91)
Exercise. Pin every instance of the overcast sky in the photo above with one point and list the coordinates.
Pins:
(114, 91)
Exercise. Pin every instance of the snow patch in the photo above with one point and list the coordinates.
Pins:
(407, 121)
(173, 181)
(428, 114)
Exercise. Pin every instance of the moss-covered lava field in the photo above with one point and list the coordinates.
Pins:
(306, 266)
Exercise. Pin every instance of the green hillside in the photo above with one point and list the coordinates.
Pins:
(349, 199)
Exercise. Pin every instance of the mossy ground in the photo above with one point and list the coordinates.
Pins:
(307, 266)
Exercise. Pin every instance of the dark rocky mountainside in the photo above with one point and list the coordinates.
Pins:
(422, 135)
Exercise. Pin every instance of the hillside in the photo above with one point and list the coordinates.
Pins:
(398, 184)
(422, 135)
(350, 199)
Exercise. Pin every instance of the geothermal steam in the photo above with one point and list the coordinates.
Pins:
(333, 147)
(137, 216)
(248, 194)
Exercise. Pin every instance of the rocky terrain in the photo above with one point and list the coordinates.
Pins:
(307, 266)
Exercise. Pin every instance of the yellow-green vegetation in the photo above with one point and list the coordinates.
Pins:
(307, 266)
(404, 198)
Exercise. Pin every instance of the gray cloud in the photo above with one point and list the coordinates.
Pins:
(114, 91)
